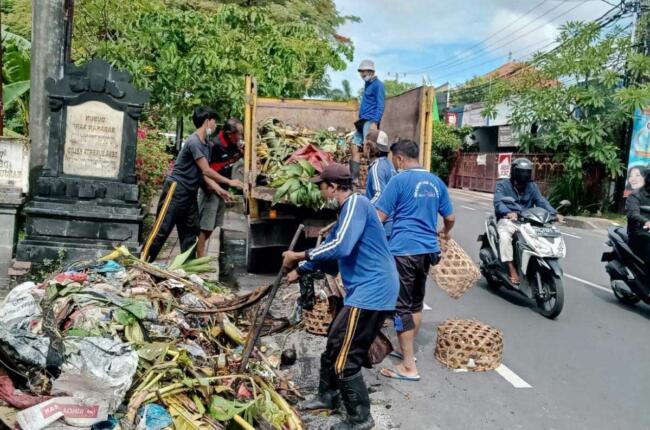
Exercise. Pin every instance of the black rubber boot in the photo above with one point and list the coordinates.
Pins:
(328, 396)
(357, 404)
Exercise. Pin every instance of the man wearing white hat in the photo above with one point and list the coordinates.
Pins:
(380, 170)
(370, 112)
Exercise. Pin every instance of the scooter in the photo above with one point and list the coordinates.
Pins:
(629, 276)
(538, 247)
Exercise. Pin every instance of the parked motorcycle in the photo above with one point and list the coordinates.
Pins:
(629, 275)
(538, 247)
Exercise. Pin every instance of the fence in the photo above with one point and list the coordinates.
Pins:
(467, 173)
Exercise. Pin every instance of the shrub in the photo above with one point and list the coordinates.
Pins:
(152, 164)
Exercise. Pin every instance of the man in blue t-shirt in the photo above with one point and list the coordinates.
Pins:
(413, 198)
(358, 243)
(370, 112)
(380, 170)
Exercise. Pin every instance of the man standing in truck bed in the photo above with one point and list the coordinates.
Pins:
(370, 112)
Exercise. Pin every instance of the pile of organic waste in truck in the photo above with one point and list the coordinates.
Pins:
(288, 156)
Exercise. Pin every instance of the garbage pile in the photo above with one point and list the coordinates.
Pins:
(122, 344)
(287, 156)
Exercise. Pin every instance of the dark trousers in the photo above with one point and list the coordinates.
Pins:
(178, 208)
(348, 341)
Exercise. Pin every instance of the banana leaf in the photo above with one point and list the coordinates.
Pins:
(12, 92)
(182, 258)
(224, 410)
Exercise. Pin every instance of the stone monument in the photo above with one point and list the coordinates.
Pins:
(14, 182)
(86, 198)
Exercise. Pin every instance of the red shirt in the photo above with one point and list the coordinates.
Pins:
(223, 154)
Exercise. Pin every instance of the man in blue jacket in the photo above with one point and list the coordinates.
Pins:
(358, 243)
(370, 112)
(380, 170)
(520, 187)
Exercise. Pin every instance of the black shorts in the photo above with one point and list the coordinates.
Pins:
(413, 271)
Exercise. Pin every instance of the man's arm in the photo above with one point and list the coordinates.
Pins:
(210, 173)
(214, 187)
(500, 208)
(379, 112)
(446, 211)
(449, 222)
(375, 182)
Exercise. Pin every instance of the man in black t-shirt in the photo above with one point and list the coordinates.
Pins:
(177, 205)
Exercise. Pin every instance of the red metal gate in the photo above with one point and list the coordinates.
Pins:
(467, 173)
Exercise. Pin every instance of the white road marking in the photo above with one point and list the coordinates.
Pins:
(591, 284)
(511, 377)
(427, 307)
(571, 235)
(468, 208)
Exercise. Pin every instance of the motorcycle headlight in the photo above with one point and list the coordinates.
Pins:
(540, 246)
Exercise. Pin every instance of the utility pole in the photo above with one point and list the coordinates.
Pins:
(48, 59)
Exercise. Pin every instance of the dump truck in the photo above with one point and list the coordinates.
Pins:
(271, 227)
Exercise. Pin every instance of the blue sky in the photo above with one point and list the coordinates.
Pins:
(436, 40)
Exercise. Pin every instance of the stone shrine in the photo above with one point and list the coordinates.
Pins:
(86, 198)
(14, 182)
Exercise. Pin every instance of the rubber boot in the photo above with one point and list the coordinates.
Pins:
(328, 396)
(357, 404)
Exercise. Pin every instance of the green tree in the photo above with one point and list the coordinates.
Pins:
(395, 88)
(446, 143)
(581, 111)
(15, 82)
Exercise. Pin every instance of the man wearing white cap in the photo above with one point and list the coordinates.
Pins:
(370, 112)
(380, 170)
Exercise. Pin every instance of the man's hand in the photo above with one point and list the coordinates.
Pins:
(512, 216)
(290, 258)
(560, 218)
(646, 225)
(236, 183)
(292, 277)
(223, 194)
(444, 235)
(373, 126)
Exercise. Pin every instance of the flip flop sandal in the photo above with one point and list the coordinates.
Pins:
(399, 355)
(394, 374)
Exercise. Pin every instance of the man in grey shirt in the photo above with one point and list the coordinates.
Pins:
(178, 205)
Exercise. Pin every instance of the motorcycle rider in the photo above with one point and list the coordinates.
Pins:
(525, 191)
(638, 222)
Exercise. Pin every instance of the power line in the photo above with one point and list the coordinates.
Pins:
(453, 66)
(541, 56)
(471, 48)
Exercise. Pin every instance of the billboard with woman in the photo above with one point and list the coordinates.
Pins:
(639, 150)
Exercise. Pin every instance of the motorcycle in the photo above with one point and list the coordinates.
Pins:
(629, 275)
(538, 247)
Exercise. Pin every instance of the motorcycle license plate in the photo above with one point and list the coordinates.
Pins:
(547, 232)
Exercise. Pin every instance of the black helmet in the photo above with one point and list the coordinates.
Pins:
(521, 171)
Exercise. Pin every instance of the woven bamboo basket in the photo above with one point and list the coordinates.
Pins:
(318, 320)
(468, 344)
(456, 273)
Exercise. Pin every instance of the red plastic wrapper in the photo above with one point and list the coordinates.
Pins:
(17, 398)
(75, 277)
(314, 156)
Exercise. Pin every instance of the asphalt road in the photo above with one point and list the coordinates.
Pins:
(588, 369)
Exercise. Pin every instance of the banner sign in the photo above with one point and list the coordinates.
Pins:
(504, 165)
(639, 150)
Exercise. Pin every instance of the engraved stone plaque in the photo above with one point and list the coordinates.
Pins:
(93, 140)
(14, 163)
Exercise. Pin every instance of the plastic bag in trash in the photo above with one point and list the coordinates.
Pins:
(96, 368)
(153, 417)
(193, 349)
(24, 347)
(74, 411)
(21, 305)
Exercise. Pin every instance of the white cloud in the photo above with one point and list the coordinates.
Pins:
(408, 35)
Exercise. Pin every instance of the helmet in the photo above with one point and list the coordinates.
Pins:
(366, 65)
(521, 171)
